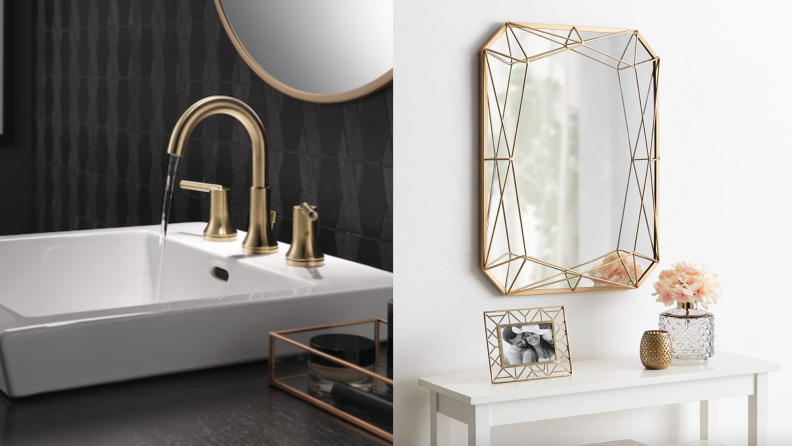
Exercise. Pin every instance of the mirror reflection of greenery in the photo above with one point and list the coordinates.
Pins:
(546, 163)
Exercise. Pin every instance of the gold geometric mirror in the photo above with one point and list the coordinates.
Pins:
(569, 159)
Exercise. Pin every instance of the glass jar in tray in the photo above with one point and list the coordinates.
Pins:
(339, 368)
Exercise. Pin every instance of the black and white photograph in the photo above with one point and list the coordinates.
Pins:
(527, 344)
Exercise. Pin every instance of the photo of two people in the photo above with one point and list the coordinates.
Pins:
(528, 344)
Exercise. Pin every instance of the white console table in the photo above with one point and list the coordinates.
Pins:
(600, 386)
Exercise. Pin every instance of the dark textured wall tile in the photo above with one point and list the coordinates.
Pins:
(102, 12)
(82, 193)
(329, 192)
(62, 135)
(121, 203)
(65, 12)
(368, 252)
(101, 200)
(49, 52)
(46, 177)
(83, 103)
(83, 53)
(371, 200)
(145, 105)
(167, 11)
(374, 127)
(111, 78)
(146, 51)
(84, 7)
(386, 233)
(64, 54)
(197, 51)
(46, 134)
(83, 154)
(290, 188)
(146, 10)
(102, 102)
(331, 129)
(49, 96)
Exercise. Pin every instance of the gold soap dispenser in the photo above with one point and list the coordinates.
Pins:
(304, 250)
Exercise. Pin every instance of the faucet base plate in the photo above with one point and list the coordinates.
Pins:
(260, 249)
(305, 263)
(220, 238)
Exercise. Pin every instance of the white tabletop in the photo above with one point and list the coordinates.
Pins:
(588, 376)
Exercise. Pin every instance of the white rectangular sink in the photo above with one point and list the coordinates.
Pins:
(80, 308)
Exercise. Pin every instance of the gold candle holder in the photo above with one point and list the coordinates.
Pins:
(656, 349)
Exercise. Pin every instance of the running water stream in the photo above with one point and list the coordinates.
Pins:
(173, 164)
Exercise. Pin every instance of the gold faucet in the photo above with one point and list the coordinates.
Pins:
(259, 239)
(304, 249)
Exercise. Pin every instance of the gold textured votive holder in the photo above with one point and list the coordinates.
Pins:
(656, 349)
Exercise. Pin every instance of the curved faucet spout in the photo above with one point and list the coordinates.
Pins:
(259, 239)
(224, 105)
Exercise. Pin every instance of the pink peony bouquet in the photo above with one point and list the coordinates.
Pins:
(613, 270)
(687, 282)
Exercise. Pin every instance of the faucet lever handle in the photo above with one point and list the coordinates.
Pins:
(219, 228)
(201, 187)
(304, 250)
(309, 211)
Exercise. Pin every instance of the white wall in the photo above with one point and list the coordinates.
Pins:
(725, 109)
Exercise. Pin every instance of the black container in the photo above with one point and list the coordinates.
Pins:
(323, 373)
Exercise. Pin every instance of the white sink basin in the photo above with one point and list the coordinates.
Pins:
(80, 308)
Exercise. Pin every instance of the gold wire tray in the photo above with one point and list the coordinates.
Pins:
(296, 384)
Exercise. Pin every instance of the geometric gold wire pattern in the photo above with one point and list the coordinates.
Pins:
(569, 159)
(553, 318)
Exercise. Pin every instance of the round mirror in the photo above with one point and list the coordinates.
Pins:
(314, 50)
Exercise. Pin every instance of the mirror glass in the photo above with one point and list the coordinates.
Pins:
(569, 159)
(317, 50)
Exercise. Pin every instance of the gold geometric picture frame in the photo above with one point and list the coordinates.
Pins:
(504, 252)
(496, 321)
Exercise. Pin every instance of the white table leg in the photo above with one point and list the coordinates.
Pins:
(709, 420)
(440, 425)
(479, 426)
(757, 413)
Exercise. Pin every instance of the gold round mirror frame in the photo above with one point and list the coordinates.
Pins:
(356, 93)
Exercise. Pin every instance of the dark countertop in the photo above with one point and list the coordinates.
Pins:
(226, 406)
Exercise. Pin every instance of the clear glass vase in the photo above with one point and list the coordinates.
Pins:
(692, 333)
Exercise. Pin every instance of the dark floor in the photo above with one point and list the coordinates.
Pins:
(226, 406)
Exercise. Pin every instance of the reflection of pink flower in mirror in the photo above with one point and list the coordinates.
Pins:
(613, 270)
(687, 282)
